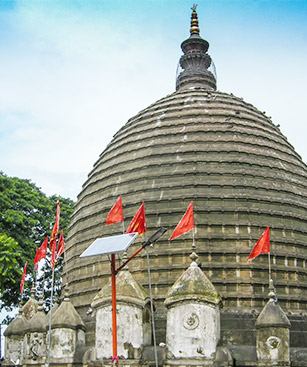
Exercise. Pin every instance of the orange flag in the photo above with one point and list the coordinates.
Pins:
(262, 246)
(61, 245)
(23, 278)
(116, 213)
(186, 223)
(54, 234)
(40, 253)
(138, 223)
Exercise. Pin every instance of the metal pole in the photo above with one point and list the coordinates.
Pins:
(152, 310)
(114, 327)
(50, 316)
(126, 262)
(270, 274)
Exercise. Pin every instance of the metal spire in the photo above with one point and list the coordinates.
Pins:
(195, 68)
(194, 22)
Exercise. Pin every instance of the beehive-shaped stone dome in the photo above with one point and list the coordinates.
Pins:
(241, 173)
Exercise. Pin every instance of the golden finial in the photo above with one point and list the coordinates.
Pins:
(194, 21)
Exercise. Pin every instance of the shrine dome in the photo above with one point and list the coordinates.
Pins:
(202, 145)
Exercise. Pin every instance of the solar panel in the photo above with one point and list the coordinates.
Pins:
(110, 245)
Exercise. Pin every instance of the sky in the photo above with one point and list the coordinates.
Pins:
(73, 72)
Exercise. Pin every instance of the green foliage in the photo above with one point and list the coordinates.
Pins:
(9, 260)
(27, 216)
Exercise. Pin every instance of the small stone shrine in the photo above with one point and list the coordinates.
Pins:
(133, 318)
(193, 317)
(272, 334)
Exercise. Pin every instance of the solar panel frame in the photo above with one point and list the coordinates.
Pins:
(110, 245)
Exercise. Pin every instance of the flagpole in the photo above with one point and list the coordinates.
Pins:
(36, 276)
(44, 278)
(270, 274)
(50, 316)
(151, 305)
(23, 279)
(65, 264)
(114, 324)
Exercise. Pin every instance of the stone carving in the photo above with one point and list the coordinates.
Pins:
(190, 321)
(273, 342)
(14, 352)
(36, 347)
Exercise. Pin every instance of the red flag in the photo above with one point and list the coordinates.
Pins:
(23, 278)
(138, 223)
(54, 234)
(116, 213)
(55, 229)
(262, 246)
(41, 253)
(186, 223)
(61, 245)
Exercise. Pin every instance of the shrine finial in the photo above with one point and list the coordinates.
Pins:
(194, 22)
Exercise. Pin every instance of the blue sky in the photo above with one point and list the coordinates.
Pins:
(73, 72)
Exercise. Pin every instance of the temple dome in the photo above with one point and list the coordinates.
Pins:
(242, 174)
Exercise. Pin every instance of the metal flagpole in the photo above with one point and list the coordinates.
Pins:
(23, 281)
(152, 310)
(65, 264)
(123, 225)
(36, 276)
(114, 325)
(270, 274)
(50, 316)
(44, 278)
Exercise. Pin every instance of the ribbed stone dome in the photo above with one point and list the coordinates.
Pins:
(242, 175)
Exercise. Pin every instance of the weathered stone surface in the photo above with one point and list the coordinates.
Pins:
(242, 174)
(14, 339)
(35, 340)
(67, 334)
(273, 337)
(31, 306)
(35, 347)
(223, 357)
(241, 179)
(127, 290)
(17, 326)
(193, 285)
(193, 317)
(38, 323)
(132, 314)
(66, 316)
(272, 315)
(193, 330)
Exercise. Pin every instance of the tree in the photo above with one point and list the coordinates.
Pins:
(9, 260)
(26, 217)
